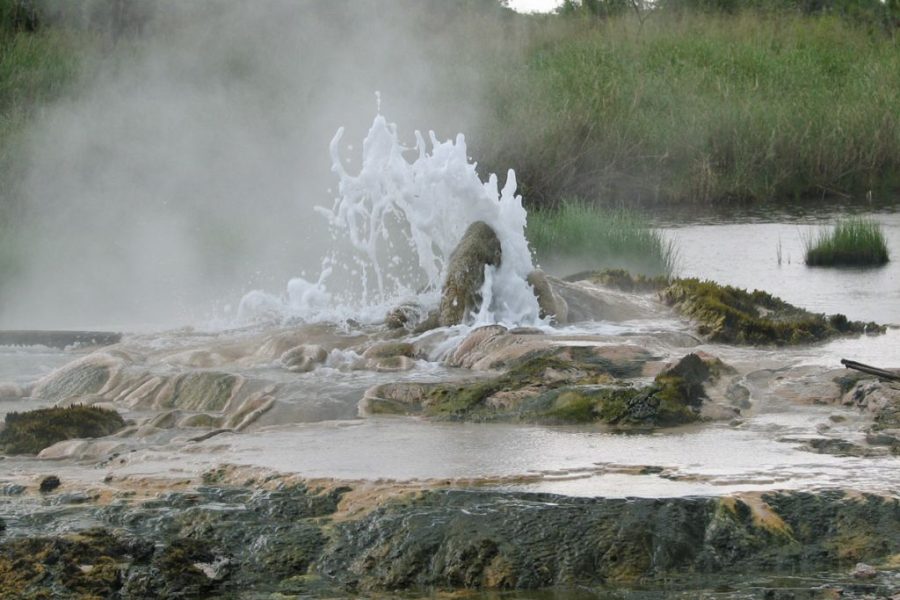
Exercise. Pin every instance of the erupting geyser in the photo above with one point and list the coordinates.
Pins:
(394, 226)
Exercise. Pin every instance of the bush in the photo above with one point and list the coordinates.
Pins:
(854, 241)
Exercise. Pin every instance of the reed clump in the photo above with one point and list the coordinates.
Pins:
(577, 235)
(855, 241)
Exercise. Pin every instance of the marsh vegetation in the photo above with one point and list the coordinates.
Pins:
(577, 235)
(854, 241)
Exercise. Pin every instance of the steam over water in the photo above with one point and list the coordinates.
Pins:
(394, 226)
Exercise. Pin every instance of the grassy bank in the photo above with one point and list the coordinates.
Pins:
(854, 241)
(700, 107)
(576, 236)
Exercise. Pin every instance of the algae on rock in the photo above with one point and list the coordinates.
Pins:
(731, 315)
(560, 385)
(461, 294)
(32, 431)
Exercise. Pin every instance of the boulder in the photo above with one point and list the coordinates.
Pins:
(304, 358)
(461, 293)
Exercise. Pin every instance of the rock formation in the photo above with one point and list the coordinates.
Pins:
(461, 294)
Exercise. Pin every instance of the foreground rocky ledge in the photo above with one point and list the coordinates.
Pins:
(242, 534)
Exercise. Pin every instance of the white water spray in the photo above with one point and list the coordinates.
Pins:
(395, 224)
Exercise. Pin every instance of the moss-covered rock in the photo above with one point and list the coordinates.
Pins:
(567, 385)
(221, 540)
(461, 293)
(731, 315)
(80, 565)
(32, 431)
(531, 541)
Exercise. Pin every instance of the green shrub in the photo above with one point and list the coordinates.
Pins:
(580, 236)
(853, 241)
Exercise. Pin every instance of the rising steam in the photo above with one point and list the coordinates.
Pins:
(184, 172)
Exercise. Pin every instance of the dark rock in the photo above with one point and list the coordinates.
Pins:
(461, 294)
(12, 489)
(32, 431)
(49, 483)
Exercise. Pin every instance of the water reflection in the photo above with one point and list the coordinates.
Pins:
(747, 255)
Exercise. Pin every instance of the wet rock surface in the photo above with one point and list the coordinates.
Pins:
(263, 535)
(461, 294)
(281, 536)
(563, 384)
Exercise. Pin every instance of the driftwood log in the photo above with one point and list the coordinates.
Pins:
(889, 375)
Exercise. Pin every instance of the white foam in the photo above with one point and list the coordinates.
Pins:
(395, 224)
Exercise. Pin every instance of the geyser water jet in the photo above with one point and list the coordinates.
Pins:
(394, 225)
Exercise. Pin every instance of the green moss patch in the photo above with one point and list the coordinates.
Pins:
(732, 315)
(32, 431)
(553, 389)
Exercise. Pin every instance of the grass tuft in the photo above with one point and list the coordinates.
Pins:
(578, 235)
(854, 242)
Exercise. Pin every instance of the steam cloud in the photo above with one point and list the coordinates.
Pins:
(185, 172)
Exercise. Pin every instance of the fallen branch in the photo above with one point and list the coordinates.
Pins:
(889, 375)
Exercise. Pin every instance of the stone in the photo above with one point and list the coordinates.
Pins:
(461, 293)
(389, 349)
(406, 316)
(49, 483)
(551, 304)
(304, 358)
(863, 571)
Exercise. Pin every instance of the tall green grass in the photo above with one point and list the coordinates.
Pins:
(577, 236)
(852, 241)
(698, 107)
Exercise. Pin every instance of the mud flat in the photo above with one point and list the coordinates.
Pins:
(624, 454)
